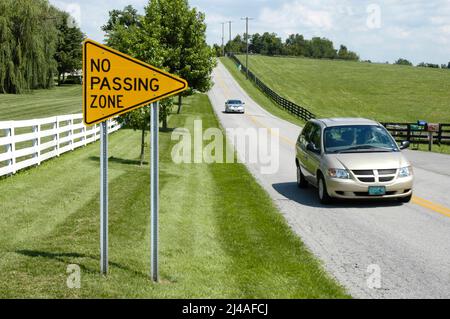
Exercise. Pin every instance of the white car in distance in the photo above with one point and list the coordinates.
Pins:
(234, 106)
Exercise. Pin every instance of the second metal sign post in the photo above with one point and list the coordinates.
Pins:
(154, 189)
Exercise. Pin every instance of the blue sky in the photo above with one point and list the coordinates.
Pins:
(418, 30)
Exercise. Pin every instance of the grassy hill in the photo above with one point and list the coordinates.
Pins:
(377, 91)
(41, 103)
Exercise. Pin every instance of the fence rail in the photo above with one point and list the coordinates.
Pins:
(29, 142)
(411, 132)
(289, 106)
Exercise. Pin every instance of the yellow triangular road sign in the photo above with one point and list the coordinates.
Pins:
(115, 83)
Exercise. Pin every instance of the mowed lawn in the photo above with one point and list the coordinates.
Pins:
(352, 89)
(61, 100)
(220, 234)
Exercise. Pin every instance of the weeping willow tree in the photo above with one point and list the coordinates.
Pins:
(28, 39)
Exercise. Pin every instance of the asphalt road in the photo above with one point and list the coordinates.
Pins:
(407, 245)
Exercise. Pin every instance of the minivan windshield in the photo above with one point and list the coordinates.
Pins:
(358, 138)
(234, 102)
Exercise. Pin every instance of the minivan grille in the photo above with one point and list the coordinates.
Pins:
(363, 172)
(387, 171)
(372, 176)
(367, 179)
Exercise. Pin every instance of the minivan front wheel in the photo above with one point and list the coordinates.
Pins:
(323, 193)
(301, 180)
(406, 199)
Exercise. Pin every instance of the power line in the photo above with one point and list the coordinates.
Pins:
(223, 36)
(229, 24)
(246, 38)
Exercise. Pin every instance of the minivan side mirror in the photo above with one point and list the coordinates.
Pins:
(404, 145)
(312, 148)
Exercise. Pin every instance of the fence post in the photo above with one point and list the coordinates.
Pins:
(11, 148)
(439, 138)
(84, 134)
(56, 137)
(37, 143)
(71, 132)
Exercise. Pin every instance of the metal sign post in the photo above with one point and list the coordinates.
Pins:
(104, 197)
(154, 188)
(113, 84)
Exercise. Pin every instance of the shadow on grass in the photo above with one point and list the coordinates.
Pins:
(123, 161)
(65, 257)
(166, 130)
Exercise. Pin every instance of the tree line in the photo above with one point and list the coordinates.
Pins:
(37, 43)
(295, 45)
(402, 61)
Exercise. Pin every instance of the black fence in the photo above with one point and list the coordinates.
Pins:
(289, 106)
(416, 133)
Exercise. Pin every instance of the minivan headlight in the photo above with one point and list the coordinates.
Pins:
(338, 173)
(405, 171)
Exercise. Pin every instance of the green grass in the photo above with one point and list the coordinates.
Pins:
(340, 88)
(41, 103)
(257, 95)
(220, 234)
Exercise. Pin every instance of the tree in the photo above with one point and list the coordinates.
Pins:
(122, 30)
(402, 61)
(217, 49)
(123, 33)
(428, 65)
(345, 54)
(182, 39)
(321, 48)
(236, 46)
(448, 66)
(28, 37)
(69, 46)
(296, 45)
(255, 45)
(138, 120)
(271, 44)
(176, 44)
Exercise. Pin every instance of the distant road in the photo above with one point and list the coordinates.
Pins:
(409, 244)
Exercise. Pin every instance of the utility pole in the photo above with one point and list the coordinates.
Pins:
(246, 38)
(223, 36)
(229, 24)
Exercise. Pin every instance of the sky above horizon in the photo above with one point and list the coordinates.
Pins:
(379, 31)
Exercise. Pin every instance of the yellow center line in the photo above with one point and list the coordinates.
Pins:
(430, 205)
(445, 211)
(271, 131)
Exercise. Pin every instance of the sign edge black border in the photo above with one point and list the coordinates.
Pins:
(122, 55)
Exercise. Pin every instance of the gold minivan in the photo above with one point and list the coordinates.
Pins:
(352, 158)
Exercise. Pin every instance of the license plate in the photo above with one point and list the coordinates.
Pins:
(377, 190)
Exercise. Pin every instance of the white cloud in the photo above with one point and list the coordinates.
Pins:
(295, 15)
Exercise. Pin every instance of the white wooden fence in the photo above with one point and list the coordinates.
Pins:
(29, 142)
